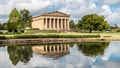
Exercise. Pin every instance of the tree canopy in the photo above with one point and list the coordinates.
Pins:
(26, 18)
(14, 21)
(93, 22)
(72, 24)
(18, 20)
(92, 48)
(19, 54)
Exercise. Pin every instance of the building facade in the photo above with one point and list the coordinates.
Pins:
(51, 21)
(53, 51)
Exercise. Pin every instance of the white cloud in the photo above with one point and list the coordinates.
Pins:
(34, 5)
(111, 2)
(21, 4)
(76, 8)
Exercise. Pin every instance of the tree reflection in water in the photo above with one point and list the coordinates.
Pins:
(92, 48)
(19, 53)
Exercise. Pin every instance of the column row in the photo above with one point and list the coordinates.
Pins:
(53, 23)
(56, 48)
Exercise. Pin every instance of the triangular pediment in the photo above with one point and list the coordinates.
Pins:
(55, 13)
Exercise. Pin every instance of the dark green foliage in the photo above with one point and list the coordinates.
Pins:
(118, 30)
(72, 24)
(3, 37)
(14, 21)
(18, 21)
(49, 36)
(2, 26)
(93, 48)
(93, 22)
(26, 18)
(55, 36)
(19, 54)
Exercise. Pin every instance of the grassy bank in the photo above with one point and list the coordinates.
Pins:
(49, 35)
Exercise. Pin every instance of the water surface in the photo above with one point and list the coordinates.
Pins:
(77, 55)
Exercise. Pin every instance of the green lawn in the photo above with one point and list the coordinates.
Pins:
(102, 35)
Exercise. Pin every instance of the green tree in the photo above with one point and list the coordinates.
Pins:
(72, 24)
(93, 48)
(14, 21)
(93, 22)
(19, 54)
(1, 26)
(26, 18)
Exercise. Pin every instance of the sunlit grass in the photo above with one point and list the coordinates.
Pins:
(102, 35)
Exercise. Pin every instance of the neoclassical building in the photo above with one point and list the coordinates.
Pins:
(51, 21)
(53, 51)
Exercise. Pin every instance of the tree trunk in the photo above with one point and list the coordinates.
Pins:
(90, 30)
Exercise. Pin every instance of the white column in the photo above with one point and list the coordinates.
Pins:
(50, 23)
(45, 23)
(53, 23)
(65, 23)
(57, 24)
(61, 24)
(68, 23)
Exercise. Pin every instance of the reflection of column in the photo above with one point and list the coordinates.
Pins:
(65, 47)
(50, 48)
(46, 48)
(61, 47)
(53, 48)
(57, 48)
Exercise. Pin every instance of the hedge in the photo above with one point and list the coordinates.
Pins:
(3, 37)
(49, 36)
(56, 36)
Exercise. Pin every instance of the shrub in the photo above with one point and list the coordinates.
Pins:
(22, 30)
(1, 32)
(2, 37)
(55, 36)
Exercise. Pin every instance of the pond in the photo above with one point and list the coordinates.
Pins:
(75, 55)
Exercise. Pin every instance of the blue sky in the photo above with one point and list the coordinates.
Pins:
(76, 8)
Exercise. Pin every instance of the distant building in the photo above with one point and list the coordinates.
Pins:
(51, 21)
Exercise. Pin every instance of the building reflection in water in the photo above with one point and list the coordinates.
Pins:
(53, 51)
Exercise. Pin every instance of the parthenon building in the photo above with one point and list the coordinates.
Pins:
(51, 21)
(53, 51)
